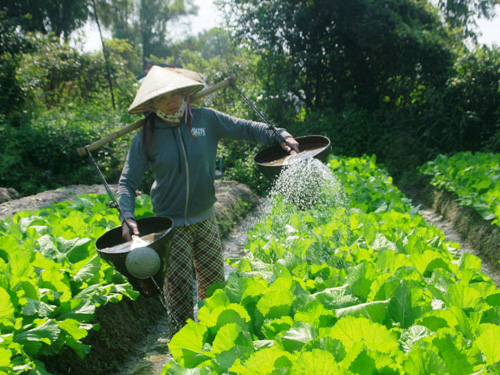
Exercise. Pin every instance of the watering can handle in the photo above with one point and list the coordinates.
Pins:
(275, 131)
(82, 151)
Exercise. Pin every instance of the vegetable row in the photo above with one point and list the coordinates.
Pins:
(474, 177)
(358, 284)
(52, 280)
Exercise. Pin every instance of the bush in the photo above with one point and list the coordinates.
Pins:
(42, 154)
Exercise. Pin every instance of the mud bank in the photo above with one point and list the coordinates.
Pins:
(473, 230)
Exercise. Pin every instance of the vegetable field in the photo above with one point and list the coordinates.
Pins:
(53, 280)
(362, 286)
(474, 177)
(366, 289)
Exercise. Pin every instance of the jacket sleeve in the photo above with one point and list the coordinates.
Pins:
(136, 164)
(231, 127)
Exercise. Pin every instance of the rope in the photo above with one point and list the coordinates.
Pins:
(114, 203)
(275, 131)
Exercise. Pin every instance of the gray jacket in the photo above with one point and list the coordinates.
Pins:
(184, 164)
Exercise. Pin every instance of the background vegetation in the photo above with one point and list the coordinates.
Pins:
(402, 79)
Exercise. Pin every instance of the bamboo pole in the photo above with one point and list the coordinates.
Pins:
(136, 125)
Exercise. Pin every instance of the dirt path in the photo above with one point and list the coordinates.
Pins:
(465, 247)
(153, 355)
(459, 224)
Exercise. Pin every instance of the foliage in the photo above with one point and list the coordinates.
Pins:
(385, 77)
(60, 75)
(57, 17)
(70, 108)
(52, 161)
(366, 290)
(323, 53)
(144, 23)
(13, 44)
(462, 15)
(474, 177)
(53, 280)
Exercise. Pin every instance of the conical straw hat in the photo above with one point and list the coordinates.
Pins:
(161, 81)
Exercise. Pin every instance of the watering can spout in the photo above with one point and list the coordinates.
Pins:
(272, 160)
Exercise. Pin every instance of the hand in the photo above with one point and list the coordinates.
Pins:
(126, 232)
(294, 145)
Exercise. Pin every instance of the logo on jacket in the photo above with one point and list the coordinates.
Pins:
(198, 132)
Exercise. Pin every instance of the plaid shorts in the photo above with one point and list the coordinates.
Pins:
(195, 255)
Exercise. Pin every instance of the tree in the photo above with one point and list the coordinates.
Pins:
(12, 45)
(60, 17)
(144, 22)
(327, 52)
(462, 14)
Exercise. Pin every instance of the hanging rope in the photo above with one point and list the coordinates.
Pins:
(273, 129)
(114, 202)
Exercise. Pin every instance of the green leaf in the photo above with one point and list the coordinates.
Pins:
(57, 283)
(76, 249)
(230, 343)
(89, 270)
(73, 328)
(263, 362)
(232, 313)
(403, 307)
(469, 262)
(5, 360)
(231, 335)
(32, 339)
(422, 360)
(412, 335)
(335, 298)
(275, 304)
(360, 278)
(37, 308)
(454, 355)
(7, 317)
(316, 362)
(297, 336)
(462, 296)
(376, 311)
(187, 345)
(244, 288)
(487, 342)
(351, 330)
(436, 319)
(272, 327)
(328, 344)
(424, 262)
(363, 364)
(316, 314)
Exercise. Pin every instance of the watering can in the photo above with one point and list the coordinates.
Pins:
(158, 233)
(271, 161)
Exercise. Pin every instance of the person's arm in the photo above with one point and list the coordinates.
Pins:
(132, 173)
(236, 128)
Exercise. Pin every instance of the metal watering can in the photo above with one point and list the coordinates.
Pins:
(271, 161)
(143, 266)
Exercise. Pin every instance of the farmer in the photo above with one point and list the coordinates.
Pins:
(179, 144)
